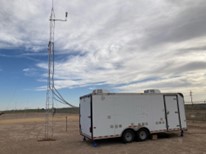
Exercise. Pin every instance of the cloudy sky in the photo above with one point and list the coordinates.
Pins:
(118, 45)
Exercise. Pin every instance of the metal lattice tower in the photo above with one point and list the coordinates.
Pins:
(51, 90)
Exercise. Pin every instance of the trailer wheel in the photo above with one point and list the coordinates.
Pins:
(128, 136)
(142, 134)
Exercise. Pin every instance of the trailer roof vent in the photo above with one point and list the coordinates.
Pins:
(152, 91)
(100, 91)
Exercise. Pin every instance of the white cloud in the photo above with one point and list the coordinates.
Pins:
(128, 45)
(31, 72)
(22, 23)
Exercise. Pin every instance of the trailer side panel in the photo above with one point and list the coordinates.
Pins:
(172, 112)
(108, 115)
(86, 116)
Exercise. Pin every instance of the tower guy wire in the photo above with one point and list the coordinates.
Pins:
(52, 93)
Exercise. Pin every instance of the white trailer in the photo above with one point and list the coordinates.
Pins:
(130, 115)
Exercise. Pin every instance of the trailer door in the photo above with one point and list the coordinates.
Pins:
(171, 112)
(86, 116)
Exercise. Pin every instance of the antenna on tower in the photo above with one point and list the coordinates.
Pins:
(52, 93)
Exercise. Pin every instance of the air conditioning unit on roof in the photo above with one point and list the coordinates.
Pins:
(152, 91)
(100, 91)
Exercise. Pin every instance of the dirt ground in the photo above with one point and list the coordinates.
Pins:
(19, 134)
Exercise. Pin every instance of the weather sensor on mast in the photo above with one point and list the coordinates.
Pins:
(52, 93)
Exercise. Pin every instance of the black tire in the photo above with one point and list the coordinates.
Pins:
(128, 136)
(142, 134)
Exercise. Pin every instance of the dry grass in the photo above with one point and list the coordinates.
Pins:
(19, 133)
(19, 119)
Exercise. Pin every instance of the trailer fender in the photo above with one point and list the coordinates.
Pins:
(127, 129)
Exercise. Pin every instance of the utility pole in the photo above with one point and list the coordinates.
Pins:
(191, 97)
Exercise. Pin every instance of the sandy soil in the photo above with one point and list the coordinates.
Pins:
(19, 134)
